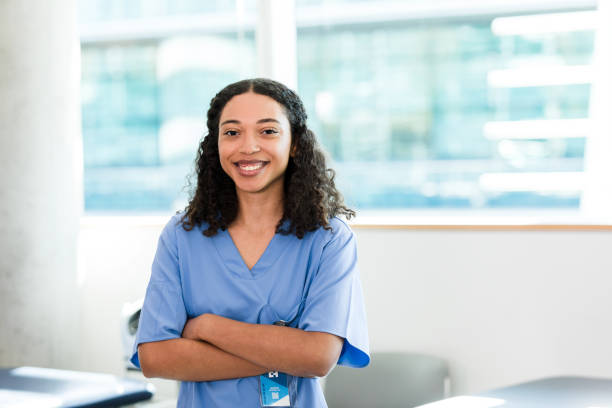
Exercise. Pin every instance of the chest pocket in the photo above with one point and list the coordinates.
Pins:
(287, 306)
(269, 315)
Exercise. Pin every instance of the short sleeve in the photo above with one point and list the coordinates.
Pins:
(163, 313)
(334, 303)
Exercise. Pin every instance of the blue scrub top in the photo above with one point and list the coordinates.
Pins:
(315, 277)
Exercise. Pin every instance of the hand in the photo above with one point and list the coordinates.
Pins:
(193, 327)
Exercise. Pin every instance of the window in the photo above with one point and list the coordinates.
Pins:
(420, 106)
(149, 71)
(468, 112)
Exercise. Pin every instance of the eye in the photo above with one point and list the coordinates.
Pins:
(230, 132)
(270, 131)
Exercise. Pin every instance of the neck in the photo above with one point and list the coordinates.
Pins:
(258, 211)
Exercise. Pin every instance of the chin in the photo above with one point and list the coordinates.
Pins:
(254, 187)
(251, 189)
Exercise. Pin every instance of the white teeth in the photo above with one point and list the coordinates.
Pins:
(251, 166)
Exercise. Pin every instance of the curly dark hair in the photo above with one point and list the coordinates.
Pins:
(310, 195)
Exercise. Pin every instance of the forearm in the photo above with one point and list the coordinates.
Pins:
(192, 360)
(293, 351)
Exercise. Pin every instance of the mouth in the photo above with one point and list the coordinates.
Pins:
(250, 167)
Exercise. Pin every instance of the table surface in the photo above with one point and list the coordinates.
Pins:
(46, 387)
(553, 392)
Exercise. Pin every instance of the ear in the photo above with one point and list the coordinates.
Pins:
(293, 150)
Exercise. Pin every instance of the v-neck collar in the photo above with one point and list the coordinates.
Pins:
(233, 260)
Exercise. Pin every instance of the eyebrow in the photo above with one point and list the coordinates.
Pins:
(265, 120)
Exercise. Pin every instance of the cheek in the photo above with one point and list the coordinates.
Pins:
(224, 154)
(224, 150)
(285, 147)
(281, 152)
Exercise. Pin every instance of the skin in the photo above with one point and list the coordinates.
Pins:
(254, 149)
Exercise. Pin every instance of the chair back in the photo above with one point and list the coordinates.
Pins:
(391, 380)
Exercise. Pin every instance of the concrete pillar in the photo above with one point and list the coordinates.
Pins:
(40, 182)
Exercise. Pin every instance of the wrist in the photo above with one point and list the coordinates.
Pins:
(203, 326)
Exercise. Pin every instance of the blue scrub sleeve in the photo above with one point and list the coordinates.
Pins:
(163, 313)
(334, 303)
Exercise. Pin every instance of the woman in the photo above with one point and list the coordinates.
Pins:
(254, 291)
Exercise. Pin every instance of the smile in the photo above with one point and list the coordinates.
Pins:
(250, 167)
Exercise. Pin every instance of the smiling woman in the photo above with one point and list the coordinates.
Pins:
(254, 151)
(256, 281)
(309, 195)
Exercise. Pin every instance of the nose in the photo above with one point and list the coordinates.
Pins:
(249, 144)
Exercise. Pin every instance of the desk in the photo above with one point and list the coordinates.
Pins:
(554, 392)
(46, 387)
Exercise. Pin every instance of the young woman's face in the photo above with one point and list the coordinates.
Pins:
(254, 142)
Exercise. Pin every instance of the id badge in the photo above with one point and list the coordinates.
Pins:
(274, 389)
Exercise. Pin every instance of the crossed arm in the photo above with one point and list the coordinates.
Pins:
(216, 348)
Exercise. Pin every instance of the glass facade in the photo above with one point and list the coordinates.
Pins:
(111, 10)
(414, 114)
(144, 105)
(402, 110)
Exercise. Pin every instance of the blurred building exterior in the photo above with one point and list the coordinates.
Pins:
(461, 111)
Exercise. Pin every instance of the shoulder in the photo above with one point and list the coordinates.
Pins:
(176, 222)
(173, 224)
(340, 225)
(335, 247)
(174, 233)
(339, 231)
(169, 231)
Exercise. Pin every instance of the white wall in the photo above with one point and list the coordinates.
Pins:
(501, 307)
